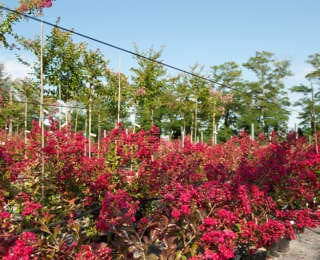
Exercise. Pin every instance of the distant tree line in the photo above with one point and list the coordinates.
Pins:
(81, 79)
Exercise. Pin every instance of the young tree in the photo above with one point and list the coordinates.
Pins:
(148, 83)
(94, 67)
(309, 104)
(28, 91)
(266, 102)
(309, 101)
(62, 61)
(111, 96)
(228, 75)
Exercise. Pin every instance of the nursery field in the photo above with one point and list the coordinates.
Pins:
(207, 190)
(136, 196)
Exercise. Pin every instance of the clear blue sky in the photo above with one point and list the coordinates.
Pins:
(204, 32)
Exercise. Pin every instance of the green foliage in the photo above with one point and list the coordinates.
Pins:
(148, 83)
(229, 76)
(8, 19)
(266, 102)
(309, 97)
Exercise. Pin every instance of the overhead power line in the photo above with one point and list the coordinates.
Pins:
(113, 46)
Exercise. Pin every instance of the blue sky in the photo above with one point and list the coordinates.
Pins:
(204, 32)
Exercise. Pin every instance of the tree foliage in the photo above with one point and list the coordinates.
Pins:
(309, 99)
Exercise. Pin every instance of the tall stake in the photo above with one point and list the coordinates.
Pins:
(10, 120)
(41, 111)
(25, 124)
(99, 134)
(252, 131)
(196, 122)
(314, 120)
(85, 131)
(119, 91)
(89, 134)
(60, 108)
(214, 127)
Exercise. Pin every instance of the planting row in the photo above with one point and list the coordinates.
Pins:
(138, 197)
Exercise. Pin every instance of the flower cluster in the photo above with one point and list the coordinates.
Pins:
(22, 248)
(26, 5)
(117, 209)
(94, 252)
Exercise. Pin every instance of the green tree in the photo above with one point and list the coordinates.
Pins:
(94, 75)
(28, 92)
(181, 105)
(229, 77)
(111, 96)
(148, 83)
(309, 97)
(11, 102)
(266, 101)
(62, 61)
(309, 105)
(314, 61)
(62, 64)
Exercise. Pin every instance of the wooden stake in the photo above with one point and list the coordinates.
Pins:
(41, 121)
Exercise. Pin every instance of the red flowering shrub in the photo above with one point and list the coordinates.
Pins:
(117, 210)
(141, 197)
(22, 248)
(271, 231)
(31, 208)
(94, 252)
